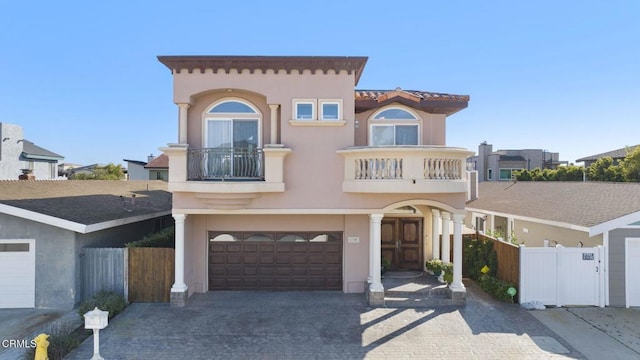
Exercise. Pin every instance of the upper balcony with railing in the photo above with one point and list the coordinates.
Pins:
(405, 169)
(226, 170)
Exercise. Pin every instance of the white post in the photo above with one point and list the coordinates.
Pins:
(507, 236)
(435, 233)
(179, 284)
(457, 252)
(274, 123)
(96, 345)
(493, 224)
(446, 237)
(182, 122)
(375, 243)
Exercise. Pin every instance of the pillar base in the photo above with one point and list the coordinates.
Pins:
(179, 298)
(374, 298)
(458, 294)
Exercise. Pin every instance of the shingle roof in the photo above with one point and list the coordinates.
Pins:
(580, 203)
(160, 162)
(31, 150)
(615, 154)
(87, 201)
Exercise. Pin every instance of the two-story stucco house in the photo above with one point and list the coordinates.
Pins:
(284, 177)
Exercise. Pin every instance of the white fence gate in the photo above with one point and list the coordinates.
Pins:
(562, 276)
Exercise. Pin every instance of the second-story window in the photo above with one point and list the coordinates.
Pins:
(394, 126)
(304, 109)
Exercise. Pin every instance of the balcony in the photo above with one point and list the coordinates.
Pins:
(405, 169)
(226, 171)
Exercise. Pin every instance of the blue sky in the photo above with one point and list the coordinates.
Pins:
(83, 80)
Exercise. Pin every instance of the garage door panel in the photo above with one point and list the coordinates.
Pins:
(17, 273)
(290, 264)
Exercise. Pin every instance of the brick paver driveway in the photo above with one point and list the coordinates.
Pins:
(324, 325)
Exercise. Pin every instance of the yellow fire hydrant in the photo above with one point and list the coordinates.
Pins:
(41, 347)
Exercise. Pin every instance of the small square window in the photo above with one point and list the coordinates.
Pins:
(330, 110)
(304, 110)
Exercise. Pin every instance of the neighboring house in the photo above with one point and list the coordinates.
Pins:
(500, 165)
(616, 155)
(286, 178)
(136, 170)
(569, 214)
(19, 156)
(44, 225)
(158, 168)
(64, 168)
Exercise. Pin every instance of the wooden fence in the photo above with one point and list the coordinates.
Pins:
(138, 274)
(151, 272)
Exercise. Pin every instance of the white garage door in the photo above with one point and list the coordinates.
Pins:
(17, 273)
(632, 261)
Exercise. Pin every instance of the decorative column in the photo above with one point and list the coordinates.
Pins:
(457, 285)
(435, 233)
(182, 123)
(376, 290)
(446, 237)
(274, 123)
(179, 288)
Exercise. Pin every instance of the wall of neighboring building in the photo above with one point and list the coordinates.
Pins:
(616, 270)
(536, 233)
(55, 260)
(10, 151)
(137, 172)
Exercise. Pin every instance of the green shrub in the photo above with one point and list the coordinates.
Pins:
(496, 287)
(109, 301)
(448, 272)
(164, 239)
(477, 254)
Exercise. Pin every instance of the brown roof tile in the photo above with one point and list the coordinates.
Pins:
(87, 201)
(160, 162)
(438, 103)
(580, 203)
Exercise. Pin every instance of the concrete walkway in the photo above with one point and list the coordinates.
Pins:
(609, 333)
(324, 325)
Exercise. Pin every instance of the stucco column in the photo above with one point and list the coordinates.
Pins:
(435, 233)
(179, 288)
(375, 243)
(457, 285)
(182, 122)
(446, 237)
(274, 123)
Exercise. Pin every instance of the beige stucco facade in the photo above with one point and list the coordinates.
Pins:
(313, 174)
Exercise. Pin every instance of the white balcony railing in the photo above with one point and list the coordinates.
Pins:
(405, 169)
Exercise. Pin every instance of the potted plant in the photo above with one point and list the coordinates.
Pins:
(434, 267)
(448, 273)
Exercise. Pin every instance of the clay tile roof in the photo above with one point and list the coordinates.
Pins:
(428, 101)
(160, 162)
(351, 64)
(87, 201)
(579, 203)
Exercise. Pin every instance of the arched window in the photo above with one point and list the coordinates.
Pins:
(232, 141)
(232, 123)
(394, 126)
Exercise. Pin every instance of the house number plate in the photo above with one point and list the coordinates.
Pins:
(587, 256)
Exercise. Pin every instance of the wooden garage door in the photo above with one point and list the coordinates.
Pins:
(275, 261)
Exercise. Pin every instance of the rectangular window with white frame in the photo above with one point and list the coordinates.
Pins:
(391, 134)
(304, 109)
(330, 110)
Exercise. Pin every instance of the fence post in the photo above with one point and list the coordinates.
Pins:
(126, 273)
(559, 278)
(522, 290)
(602, 268)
